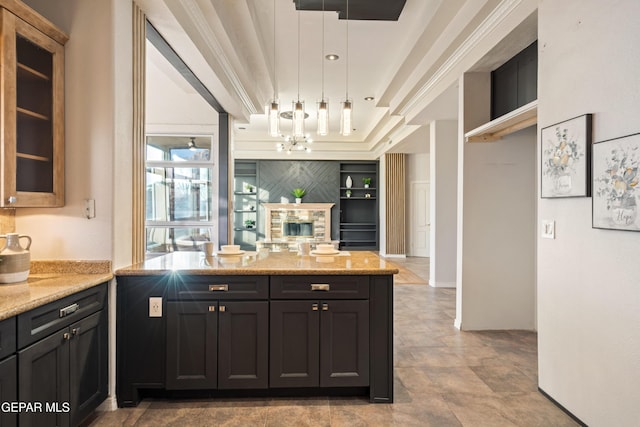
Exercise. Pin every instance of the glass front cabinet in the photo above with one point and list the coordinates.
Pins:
(32, 59)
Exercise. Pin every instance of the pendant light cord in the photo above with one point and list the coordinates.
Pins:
(347, 58)
(299, 50)
(275, 79)
(322, 59)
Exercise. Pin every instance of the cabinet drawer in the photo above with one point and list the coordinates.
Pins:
(219, 288)
(320, 287)
(7, 337)
(42, 321)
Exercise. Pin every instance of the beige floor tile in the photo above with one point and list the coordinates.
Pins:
(443, 377)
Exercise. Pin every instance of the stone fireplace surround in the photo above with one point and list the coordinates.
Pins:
(277, 214)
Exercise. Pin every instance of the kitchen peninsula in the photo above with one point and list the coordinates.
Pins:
(260, 323)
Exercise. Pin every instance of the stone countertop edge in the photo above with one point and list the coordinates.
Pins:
(50, 281)
(275, 264)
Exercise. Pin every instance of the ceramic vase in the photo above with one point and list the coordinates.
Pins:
(15, 261)
(349, 182)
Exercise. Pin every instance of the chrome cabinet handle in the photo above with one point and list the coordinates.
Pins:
(75, 331)
(320, 287)
(12, 199)
(314, 307)
(222, 288)
(66, 336)
(69, 310)
(325, 307)
(222, 309)
(212, 308)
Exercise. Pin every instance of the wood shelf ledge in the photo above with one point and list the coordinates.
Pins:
(518, 119)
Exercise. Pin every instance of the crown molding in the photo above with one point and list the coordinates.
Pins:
(490, 24)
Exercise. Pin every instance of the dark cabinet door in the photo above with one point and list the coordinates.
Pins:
(243, 347)
(88, 365)
(8, 390)
(192, 337)
(344, 343)
(44, 377)
(295, 353)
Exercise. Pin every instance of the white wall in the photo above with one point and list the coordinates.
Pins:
(589, 279)
(496, 221)
(443, 180)
(65, 233)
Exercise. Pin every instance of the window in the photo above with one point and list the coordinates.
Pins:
(179, 190)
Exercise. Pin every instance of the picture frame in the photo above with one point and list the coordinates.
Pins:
(616, 183)
(565, 158)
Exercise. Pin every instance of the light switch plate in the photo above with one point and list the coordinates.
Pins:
(155, 306)
(548, 229)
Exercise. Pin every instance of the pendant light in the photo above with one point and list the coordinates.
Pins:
(298, 105)
(345, 116)
(323, 103)
(272, 109)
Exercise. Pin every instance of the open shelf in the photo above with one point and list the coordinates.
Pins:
(518, 119)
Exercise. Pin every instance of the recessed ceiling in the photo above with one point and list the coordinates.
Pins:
(373, 10)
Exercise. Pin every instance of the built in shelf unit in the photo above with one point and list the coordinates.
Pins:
(359, 206)
(245, 204)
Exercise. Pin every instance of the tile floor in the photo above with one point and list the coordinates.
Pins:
(443, 377)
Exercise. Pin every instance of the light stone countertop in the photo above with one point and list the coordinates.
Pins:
(263, 263)
(50, 281)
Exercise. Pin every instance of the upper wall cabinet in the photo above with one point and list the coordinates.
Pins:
(32, 108)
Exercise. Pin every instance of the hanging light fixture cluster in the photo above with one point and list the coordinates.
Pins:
(298, 140)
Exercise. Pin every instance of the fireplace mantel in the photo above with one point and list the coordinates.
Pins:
(317, 213)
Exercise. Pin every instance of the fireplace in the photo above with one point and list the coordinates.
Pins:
(289, 221)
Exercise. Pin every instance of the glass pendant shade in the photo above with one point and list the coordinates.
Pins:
(345, 118)
(298, 118)
(273, 117)
(323, 117)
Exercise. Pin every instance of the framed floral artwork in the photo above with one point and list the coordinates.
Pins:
(566, 158)
(616, 193)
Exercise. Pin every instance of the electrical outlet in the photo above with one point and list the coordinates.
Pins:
(155, 307)
(548, 229)
(90, 208)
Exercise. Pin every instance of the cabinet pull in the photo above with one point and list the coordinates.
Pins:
(222, 309)
(212, 308)
(75, 331)
(325, 307)
(12, 199)
(223, 288)
(320, 287)
(314, 307)
(69, 310)
(66, 336)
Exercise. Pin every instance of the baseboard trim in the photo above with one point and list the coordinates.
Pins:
(394, 255)
(109, 404)
(435, 284)
(565, 410)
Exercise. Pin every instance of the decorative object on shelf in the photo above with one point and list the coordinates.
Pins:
(298, 193)
(366, 182)
(15, 261)
(349, 182)
(252, 208)
(616, 197)
(249, 188)
(348, 193)
(367, 196)
(566, 158)
(249, 223)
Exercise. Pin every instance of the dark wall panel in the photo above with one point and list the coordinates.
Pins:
(321, 179)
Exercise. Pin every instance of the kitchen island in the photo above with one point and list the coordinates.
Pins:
(255, 324)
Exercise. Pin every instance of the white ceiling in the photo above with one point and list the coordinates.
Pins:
(229, 45)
